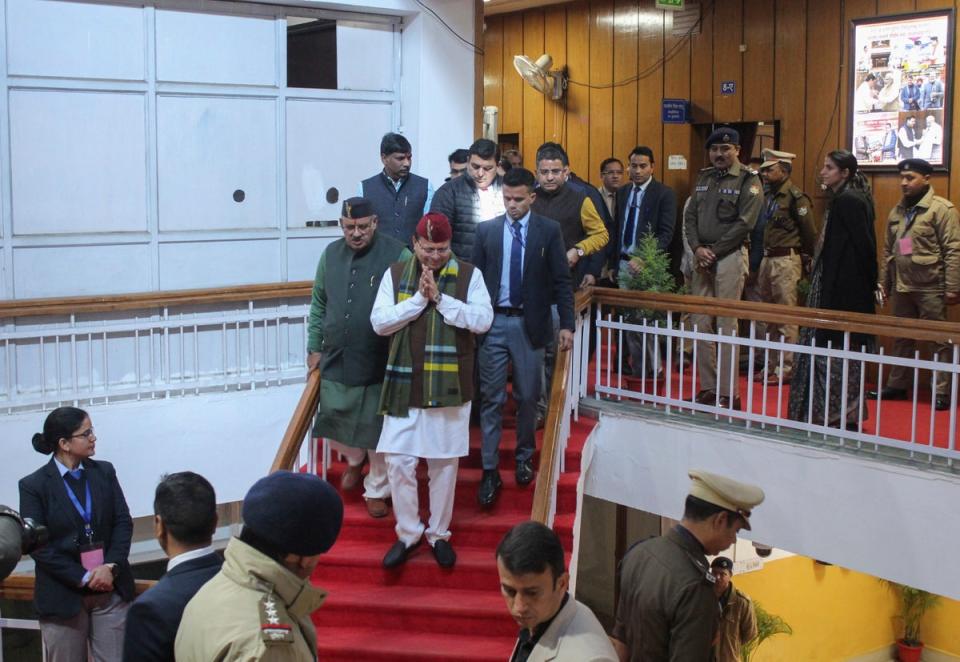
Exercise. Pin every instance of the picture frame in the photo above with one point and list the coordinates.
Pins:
(901, 89)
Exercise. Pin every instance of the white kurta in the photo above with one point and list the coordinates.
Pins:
(440, 432)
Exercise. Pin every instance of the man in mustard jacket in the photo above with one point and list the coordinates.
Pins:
(738, 622)
(920, 270)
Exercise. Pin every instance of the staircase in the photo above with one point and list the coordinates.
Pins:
(420, 611)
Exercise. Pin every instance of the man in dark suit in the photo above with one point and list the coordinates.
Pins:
(185, 517)
(644, 206)
(525, 269)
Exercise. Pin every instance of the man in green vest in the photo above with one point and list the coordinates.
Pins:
(351, 357)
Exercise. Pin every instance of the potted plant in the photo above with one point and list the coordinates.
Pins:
(914, 604)
(767, 625)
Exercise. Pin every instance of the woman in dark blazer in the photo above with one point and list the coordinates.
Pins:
(844, 277)
(84, 584)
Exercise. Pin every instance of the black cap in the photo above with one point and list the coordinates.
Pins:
(356, 208)
(296, 513)
(725, 135)
(722, 563)
(915, 165)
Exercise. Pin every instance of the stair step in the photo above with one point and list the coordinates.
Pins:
(433, 609)
(335, 644)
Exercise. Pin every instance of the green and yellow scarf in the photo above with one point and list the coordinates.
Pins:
(441, 370)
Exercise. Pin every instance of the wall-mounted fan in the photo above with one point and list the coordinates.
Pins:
(539, 76)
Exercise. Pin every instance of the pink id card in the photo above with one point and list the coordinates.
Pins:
(906, 246)
(91, 556)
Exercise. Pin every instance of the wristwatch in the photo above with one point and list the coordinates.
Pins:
(580, 252)
(436, 299)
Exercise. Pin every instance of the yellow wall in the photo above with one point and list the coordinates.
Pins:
(835, 613)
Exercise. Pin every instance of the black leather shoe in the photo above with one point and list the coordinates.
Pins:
(706, 398)
(725, 403)
(397, 555)
(942, 403)
(888, 393)
(443, 552)
(524, 472)
(489, 487)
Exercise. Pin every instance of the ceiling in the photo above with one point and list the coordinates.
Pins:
(491, 7)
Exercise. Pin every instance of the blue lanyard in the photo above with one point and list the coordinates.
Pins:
(86, 511)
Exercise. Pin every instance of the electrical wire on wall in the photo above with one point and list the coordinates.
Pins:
(476, 49)
(653, 68)
(836, 102)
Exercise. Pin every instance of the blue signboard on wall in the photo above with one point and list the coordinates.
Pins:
(676, 111)
(728, 87)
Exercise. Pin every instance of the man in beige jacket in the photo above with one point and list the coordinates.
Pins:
(554, 627)
(258, 606)
(738, 622)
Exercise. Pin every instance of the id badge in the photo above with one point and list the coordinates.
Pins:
(91, 556)
(906, 245)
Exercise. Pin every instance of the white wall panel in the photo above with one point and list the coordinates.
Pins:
(75, 40)
(208, 148)
(219, 263)
(212, 48)
(330, 144)
(78, 162)
(56, 271)
(364, 56)
(303, 255)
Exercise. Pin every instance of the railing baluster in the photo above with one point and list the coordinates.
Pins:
(916, 396)
(620, 333)
(196, 359)
(810, 392)
(668, 375)
(693, 372)
(74, 376)
(183, 357)
(106, 370)
(752, 336)
(136, 352)
(952, 441)
(223, 342)
(239, 364)
(43, 376)
(844, 375)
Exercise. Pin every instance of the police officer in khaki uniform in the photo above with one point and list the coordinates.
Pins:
(789, 235)
(668, 608)
(738, 622)
(920, 269)
(724, 208)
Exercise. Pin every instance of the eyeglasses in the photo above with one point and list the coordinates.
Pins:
(607, 173)
(434, 251)
(86, 434)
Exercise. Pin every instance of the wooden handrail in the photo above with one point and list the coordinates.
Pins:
(140, 300)
(20, 587)
(299, 424)
(880, 325)
(546, 481)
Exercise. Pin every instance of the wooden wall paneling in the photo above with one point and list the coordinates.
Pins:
(954, 188)
(555, 43)
(676, 137)
(650, 86)
(511, 115)
(790, 82)
(533, 101)
(701, 67)
(728, 61)
(758, 25)
(626, 16)
(924, 5)
(493, 62)
(578, 96)
(853, 9)
(895, 6)
(823, 73)
(601, 98)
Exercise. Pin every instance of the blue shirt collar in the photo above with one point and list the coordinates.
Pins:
(524, 220)
(63, 469)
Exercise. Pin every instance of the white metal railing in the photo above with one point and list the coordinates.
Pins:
(931, 434)
(160, 353)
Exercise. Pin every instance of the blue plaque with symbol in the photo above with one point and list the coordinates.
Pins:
(728, 87)
(676, 111)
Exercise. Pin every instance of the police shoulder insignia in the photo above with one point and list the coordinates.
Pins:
(802, 211)
(273, 626)
(754, 190)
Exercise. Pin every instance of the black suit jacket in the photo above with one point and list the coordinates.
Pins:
(546, 276)
(43, 496)
(153, 619)
(658, 214)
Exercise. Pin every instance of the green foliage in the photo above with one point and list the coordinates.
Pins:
(652, 274)
(767, 625)
(803, 291)
(914, 603)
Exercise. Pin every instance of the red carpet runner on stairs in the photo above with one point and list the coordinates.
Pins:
(420, 611)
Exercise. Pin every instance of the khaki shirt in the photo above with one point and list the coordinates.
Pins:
(792, 224)
(230, 617)
(738, 625)
(725, 208)
(933, 241)
(668, 611)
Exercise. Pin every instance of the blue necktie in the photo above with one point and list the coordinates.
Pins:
(516, 267)
(75, 473)
(631, 227)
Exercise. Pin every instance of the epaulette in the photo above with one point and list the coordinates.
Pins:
(275, 625)
(946, 203)
(702, 568)
(707, 168)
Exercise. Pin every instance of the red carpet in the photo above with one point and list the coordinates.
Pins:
(420, 611)
(896, 416)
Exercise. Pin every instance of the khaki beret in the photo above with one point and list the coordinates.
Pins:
(725, 492)
(773, 157)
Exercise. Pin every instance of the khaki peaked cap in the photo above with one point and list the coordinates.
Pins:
(725, 492)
